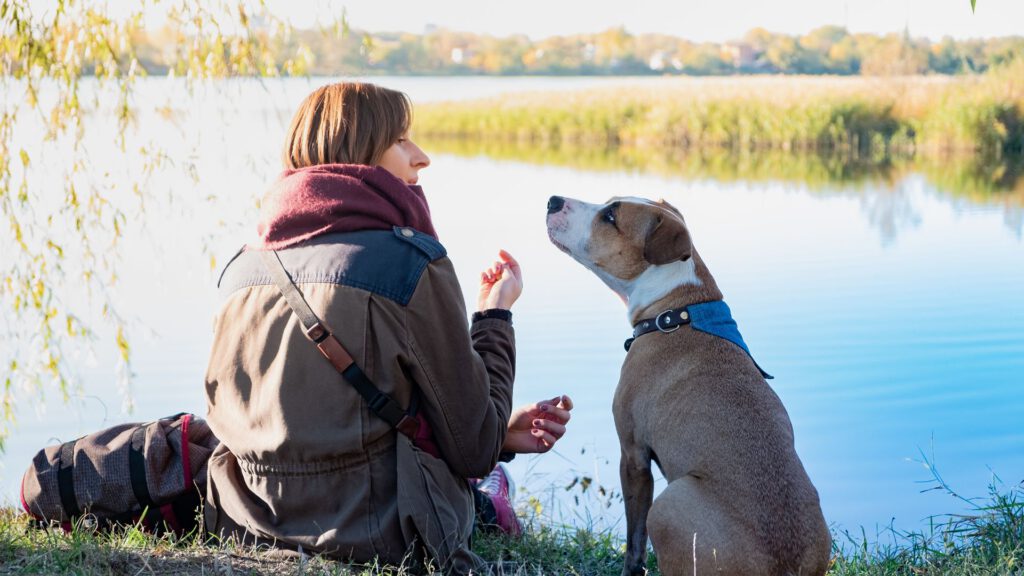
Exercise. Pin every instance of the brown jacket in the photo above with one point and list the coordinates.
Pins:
(302, 460)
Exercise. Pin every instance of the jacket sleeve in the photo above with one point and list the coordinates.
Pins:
(464, 373)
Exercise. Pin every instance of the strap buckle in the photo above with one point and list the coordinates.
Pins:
(317, 333)
(408, 425)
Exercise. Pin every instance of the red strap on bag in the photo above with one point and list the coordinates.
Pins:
(186, 462)
(24, 504)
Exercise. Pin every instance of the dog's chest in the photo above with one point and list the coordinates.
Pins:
(655, 379)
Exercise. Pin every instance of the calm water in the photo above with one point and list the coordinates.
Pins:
(888, 305)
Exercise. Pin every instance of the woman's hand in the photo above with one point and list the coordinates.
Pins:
(535, 428)
(501, 284)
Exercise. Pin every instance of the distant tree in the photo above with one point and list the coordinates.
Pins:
(844, 56)
(657, 51)
(759, 39)
(945, 57)
(706, 60)
(499, 55)
(820, 42)
(822, 39)
(789, 56)
(1002, 51)
(612, 46)
(406, 55)
(895, 55)
(561, 54)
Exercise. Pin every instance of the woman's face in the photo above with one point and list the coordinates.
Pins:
(404, 159)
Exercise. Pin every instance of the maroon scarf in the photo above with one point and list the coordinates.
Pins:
(326, 198)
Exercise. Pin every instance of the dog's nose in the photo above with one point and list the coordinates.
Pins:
(555, 204)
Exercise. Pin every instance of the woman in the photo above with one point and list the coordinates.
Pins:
(304, 462)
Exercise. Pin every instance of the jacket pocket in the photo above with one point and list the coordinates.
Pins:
(435, 509)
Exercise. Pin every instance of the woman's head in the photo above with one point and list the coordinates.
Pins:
(350, 123)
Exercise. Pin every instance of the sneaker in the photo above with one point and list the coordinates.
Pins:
(499, 487)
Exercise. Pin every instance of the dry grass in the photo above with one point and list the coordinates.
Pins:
(861, 116)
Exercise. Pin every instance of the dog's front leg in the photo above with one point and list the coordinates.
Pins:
(637, 490)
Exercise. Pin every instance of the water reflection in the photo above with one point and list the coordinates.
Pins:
(881, 182)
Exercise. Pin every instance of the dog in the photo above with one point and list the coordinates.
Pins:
(691, 399)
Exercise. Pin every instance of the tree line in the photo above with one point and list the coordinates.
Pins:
(438, 51)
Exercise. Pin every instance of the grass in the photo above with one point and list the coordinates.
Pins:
(988, 540)
(26, 549)
(859, 116)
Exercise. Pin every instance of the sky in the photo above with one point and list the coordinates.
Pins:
(711, 21)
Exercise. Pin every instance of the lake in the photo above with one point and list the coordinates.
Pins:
(886, 300)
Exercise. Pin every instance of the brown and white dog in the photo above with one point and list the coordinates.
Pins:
(738, 500)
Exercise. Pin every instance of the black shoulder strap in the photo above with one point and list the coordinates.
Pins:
(137, 466)
(380, 403)
(66, 479)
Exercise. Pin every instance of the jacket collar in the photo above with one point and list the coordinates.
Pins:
(714, 318)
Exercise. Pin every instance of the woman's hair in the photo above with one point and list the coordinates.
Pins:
(346, 123)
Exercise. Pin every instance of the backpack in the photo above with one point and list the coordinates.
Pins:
(150, 474)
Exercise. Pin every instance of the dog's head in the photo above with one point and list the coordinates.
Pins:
(639, 248)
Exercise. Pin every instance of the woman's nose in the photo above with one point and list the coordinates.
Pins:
(420, 159)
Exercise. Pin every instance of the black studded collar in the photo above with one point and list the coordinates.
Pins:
(667, 321)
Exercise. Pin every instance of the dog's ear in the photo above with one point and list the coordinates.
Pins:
(661, 202)
(668, 241)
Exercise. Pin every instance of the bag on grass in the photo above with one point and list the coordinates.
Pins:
(152, 473)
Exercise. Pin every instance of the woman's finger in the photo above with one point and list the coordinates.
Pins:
(512, 263)
(544, 438)
(508, 258)
(565, 402)
(550, 426)
(553, 412)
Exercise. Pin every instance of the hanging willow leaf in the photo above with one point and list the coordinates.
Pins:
(51, 248)
(973, 2)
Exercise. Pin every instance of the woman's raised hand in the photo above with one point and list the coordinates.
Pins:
(501, 284)
(536, 427)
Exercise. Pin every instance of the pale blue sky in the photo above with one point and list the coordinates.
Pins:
(714, 20)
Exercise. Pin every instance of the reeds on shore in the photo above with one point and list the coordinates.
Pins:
(860, 116)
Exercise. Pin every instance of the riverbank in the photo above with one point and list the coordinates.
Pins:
(857, 116)
(987, 541)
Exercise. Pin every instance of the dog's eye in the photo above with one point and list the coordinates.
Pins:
(609, 215)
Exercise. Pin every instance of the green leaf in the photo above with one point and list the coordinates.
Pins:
(122, 344)
(973, 2)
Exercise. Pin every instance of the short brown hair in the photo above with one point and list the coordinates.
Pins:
(346, 123)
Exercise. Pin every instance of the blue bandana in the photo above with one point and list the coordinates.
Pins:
(715, 318)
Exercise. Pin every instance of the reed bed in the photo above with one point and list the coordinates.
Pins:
(857, 116)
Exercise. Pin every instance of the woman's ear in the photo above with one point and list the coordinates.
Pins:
(667, 241)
